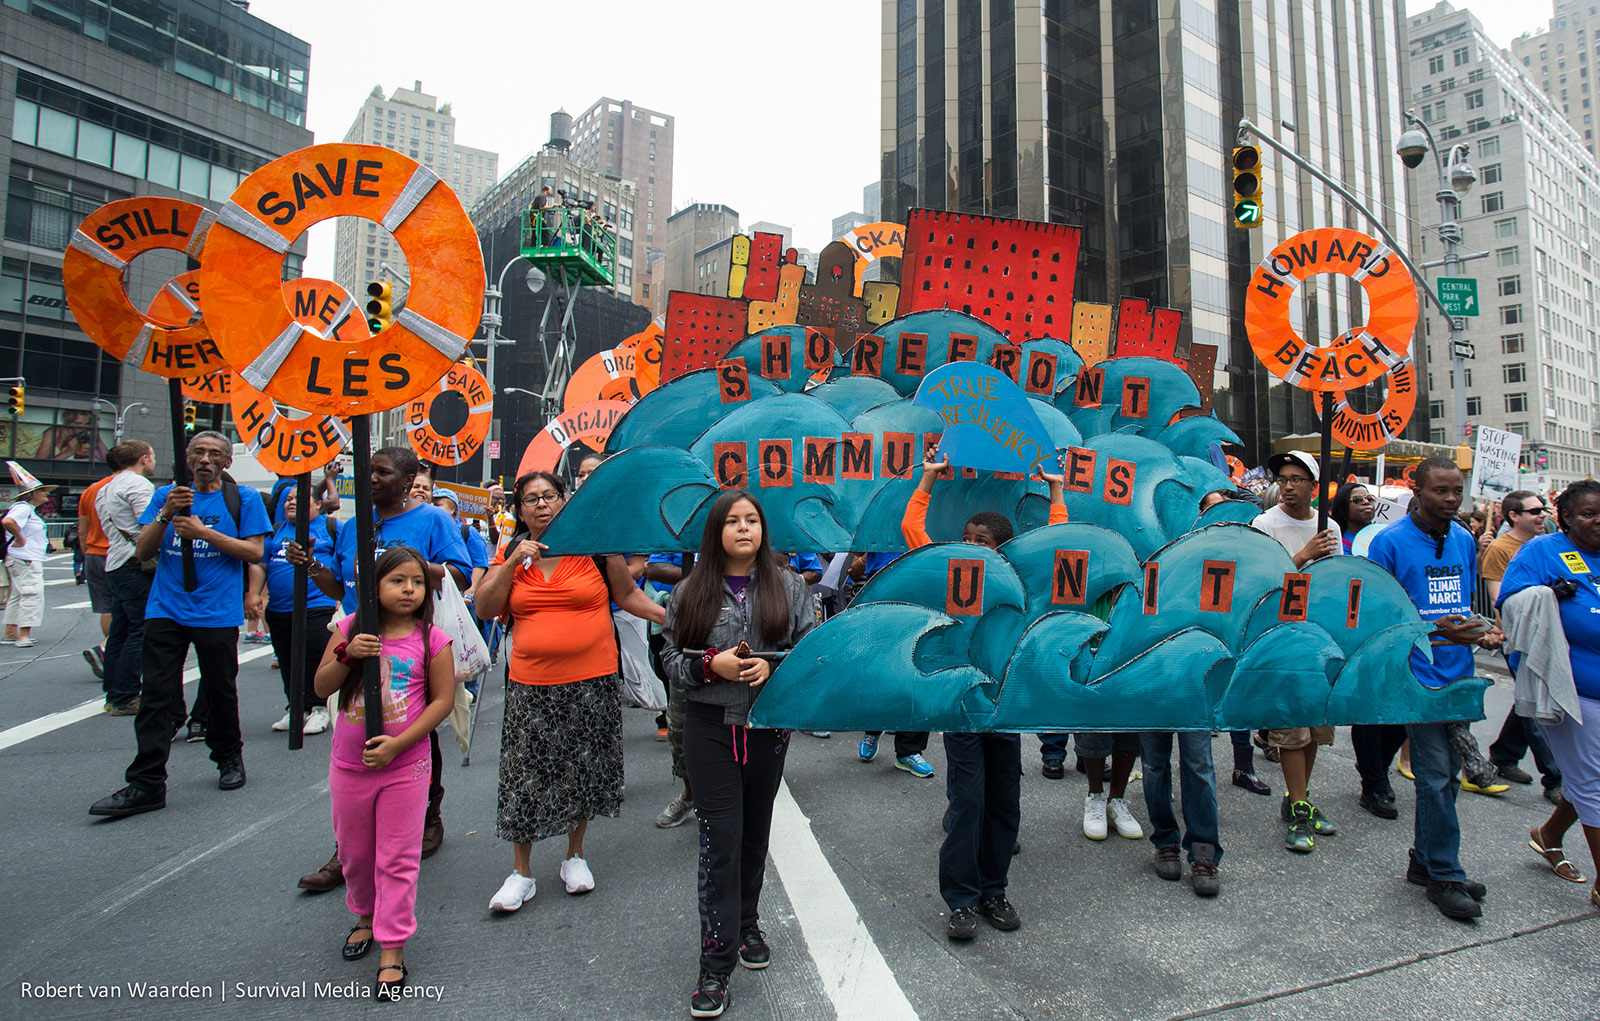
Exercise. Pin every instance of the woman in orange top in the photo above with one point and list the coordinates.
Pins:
(561, 745)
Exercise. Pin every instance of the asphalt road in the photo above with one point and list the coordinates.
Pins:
(193, 911)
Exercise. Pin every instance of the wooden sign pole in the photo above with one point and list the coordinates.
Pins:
(297, 644)
(367, 621)
(180, 472)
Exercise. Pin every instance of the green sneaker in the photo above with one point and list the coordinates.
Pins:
(1319, 822)
(1300, 838)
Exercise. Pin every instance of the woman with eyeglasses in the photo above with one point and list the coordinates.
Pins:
(1352, 507)
(561, 745)
(1567, 564)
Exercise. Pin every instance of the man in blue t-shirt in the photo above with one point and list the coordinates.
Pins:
(272, 595)
(1436, 560)
(226, 529)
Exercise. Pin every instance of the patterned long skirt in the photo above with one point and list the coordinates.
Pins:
(560, 758)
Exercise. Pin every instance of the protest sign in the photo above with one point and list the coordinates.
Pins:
(1494, 463)
(989, 422)
(471, 502)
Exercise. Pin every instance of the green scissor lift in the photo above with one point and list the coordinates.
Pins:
(574, 249)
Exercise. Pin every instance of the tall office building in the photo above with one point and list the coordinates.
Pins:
(696, 253)
(415, 123)
(1119, 116)
(1534, 209)
(103, 101)
(1559, 60)
(622, 140)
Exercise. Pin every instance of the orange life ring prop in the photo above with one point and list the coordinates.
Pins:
(649, 345)
(1360, 355)
(295, 444)
(1358, 431)
(176, 304)
(590, 423)
(436, 448)
(241, 270)
(98, 255)
(212, 388)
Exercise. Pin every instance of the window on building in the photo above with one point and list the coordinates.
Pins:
(1489, 146)
(1462, 54)
(1515, 372)
(1436, 409)
(1516, 404)
(1474, 407)
(1490, 174)
(1506, 257)
(1475, 99)
(1436, 64)
(1511, 344)
(1509, 286)
(1510, 315)
(1494, 202)
(1505, 228)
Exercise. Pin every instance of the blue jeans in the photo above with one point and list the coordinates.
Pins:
(1053, 746)
(984, 784)
(124, 653)
(1437, 768)
(1198, 780)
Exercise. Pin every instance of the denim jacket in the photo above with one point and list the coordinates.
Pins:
(732, 627)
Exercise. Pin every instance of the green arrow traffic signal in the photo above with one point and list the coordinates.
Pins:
(1247, 211)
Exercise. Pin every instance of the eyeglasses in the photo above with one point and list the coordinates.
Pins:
(1293, 480)
(1534, 510)
(534, 499)
(203, 454)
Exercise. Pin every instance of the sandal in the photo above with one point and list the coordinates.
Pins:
(357, 950)
(1405, 770)
(387, 989)
(1556, 858)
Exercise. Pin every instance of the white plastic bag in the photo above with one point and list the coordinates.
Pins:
(451, 615)
(637, 684)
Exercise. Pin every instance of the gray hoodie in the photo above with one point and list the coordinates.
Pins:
(732, 626)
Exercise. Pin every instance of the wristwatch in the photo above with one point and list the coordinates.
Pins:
(165, 519)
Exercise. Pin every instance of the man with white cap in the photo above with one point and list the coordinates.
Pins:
(1293, 522)
(26, 547)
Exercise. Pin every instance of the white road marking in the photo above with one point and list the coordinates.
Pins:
(73, 606)
(854, 974)
(63, 581)
(92, 708)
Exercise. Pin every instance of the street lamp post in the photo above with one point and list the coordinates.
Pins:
(120, 417)
(1456, 178)
(491, 310)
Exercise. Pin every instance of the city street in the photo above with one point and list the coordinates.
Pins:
(202, 897)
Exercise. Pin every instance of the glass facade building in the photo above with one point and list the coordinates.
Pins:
(1120, 116)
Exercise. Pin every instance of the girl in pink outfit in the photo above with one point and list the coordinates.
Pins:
(379, 786)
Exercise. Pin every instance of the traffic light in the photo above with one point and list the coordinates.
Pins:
(19, 394)
(188, 417)
(380, 305)
(1247, 186)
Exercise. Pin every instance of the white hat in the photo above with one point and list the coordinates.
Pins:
(25, 480)
(1276, 462)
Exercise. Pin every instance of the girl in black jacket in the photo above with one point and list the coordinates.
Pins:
(739, 600)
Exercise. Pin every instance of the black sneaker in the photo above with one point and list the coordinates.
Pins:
(753, 950)
(130, 800)
(963, 924)
(1247, 780)
(1053, 769)
(1417, 875)
(710, 997)
(1000, 913)
(1169, 863)
(230, 775)
(1380, 804)
(1453, 900)
(197, 732)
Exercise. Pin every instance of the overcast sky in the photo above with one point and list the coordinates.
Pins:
(777, 106)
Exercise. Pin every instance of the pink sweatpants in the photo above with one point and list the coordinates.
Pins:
(377, 820)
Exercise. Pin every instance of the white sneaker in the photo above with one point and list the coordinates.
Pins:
(316, 720)
(1122, 819)
(1094, 817)
(512, 893)
(26, 643)
(575, 873)
(283, 722)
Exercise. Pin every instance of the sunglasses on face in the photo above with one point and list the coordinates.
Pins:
(1534, 510)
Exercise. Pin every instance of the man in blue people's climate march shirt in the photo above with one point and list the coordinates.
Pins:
(1436, 560)
(226, 528)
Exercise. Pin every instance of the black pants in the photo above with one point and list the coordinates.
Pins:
(124, 653)
(984, 784)
(166, 643)
(735, 772)
(1518, 735)
(280, 624)
(910, 743)
(1375, 745)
